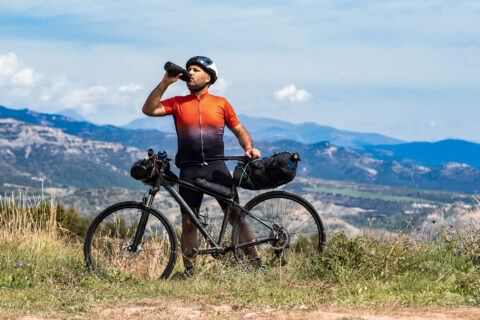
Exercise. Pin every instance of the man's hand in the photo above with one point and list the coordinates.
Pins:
(252, 153)
(168, 79)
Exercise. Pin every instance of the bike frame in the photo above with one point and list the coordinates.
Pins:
(168, 183)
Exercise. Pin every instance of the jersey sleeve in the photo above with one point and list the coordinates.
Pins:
(230, 116)
(169, 105)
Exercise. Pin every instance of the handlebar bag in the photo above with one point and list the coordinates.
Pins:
(266, 173)
(144, 171)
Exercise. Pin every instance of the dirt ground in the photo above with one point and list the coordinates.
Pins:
(179, 309)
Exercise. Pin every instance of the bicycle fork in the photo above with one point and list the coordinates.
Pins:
(137, 240)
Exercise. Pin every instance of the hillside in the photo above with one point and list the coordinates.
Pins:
(32, 155)
(70, 160)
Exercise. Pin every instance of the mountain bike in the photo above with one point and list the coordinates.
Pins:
(134, 239)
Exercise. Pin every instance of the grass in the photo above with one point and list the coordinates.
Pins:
(42, 272)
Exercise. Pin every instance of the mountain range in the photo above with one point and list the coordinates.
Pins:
(267, 129)
(430, 154)
(84, 155)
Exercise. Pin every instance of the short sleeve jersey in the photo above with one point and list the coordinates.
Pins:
(200, 126)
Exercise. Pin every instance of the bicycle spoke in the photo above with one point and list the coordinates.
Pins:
(295, 228)
(109, 244)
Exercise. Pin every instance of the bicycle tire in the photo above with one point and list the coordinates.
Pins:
(293, 214)
(112, 231)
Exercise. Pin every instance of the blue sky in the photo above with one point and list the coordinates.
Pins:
(407, 69)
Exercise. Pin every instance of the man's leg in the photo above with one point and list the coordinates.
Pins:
(188, 240)
(245, 233)
(221, 175)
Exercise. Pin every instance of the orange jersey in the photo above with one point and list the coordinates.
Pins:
(200, 125)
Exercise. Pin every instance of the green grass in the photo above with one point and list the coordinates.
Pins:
(52, 280)
(368, 195)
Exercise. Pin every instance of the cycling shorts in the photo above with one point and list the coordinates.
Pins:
(216, 172)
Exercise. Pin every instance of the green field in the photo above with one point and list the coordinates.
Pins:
(368, 195)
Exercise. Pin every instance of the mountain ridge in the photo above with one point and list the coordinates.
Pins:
(268, 129)
(32, 153)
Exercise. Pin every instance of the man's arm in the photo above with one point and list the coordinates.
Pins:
(245, 141)
(153, 106)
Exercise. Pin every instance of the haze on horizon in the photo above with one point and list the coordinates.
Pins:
(402, 68)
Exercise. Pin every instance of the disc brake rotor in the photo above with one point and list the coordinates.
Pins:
(282, 238)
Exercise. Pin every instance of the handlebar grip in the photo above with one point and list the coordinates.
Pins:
(234, 158)
(174, 69)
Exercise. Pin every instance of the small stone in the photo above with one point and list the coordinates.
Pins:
(303, 307)
(249, 315)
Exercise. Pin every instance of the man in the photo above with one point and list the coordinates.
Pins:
(200, 119)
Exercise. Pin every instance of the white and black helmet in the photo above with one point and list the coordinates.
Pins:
(206, 64)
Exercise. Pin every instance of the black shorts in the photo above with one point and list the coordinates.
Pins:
(216, 172)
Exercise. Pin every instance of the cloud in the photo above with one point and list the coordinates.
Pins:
(292, 94)
(219, 87)
(21, 85)
(13, 72)
(130, 87)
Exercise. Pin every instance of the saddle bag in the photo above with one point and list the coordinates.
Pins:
(267, 173)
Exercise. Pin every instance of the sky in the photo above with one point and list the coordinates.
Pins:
(407, 69)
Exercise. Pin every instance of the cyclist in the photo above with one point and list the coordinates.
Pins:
(200, 119)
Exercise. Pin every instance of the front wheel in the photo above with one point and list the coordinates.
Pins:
(108, 246)
(280, 228)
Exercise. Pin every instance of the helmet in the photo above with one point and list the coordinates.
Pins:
(206, 64)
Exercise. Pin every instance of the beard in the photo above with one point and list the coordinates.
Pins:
(193, 86)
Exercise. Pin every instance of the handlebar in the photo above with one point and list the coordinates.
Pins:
(162, 155)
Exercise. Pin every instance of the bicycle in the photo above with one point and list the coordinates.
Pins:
(134, 239)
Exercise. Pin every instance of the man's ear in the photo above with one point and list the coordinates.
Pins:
(208, 77)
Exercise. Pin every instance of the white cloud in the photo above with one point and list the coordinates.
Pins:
(130, 87)
(219, 87)
(86, 99)
(22, 86)
(292, 94)
(13, 72)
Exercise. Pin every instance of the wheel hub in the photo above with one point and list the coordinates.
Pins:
(281, 237)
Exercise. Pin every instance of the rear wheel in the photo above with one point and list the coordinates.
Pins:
(286, 227)
(108, 245)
